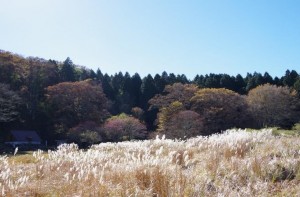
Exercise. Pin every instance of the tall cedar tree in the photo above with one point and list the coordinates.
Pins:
(67, 72)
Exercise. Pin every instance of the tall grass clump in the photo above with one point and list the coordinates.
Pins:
(234, 163)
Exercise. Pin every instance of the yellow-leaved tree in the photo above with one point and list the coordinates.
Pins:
(274, 106)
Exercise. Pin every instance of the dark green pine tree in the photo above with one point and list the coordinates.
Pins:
(117, 82)
(99, 74)
(250, 82)
(125, 97)
(67, 72)
(212, 81)
(84, 74)
(267, 78)
(165, 76)
(107, 87)
(148, 90)
(240, 85)
(136, 89)
(182, 79)
(92, 74)
(159, 83)
(259, 80)
(277, 81)
(290, 78)
(171, 79)
(227, 82)
(199, 81)
(296, 86)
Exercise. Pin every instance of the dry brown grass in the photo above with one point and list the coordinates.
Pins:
(236, 163)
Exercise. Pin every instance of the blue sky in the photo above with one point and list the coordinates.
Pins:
(152, 36)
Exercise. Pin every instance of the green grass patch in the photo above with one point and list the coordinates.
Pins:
(283, 132)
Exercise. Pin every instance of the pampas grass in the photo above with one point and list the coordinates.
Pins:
(234, 163)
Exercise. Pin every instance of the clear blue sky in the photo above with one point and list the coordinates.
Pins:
(150, 36)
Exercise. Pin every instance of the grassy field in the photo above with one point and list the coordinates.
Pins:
(235, 163)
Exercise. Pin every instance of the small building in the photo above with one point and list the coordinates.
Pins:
(24, 137)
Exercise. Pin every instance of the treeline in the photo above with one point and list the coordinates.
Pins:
(62, 100)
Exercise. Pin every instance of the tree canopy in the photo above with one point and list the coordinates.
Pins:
(54, 97)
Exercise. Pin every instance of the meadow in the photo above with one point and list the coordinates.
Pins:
(234, 163)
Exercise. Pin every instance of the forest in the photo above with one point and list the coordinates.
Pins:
(62, 100)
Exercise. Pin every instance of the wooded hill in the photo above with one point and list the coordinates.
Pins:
(61, 100)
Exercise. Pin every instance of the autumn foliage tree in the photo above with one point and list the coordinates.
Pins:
(176, 92)
(184, 124)
(75, 102)
(221, 109)
(274, 106)
(124, 127)
(165, 114)
(138, 113)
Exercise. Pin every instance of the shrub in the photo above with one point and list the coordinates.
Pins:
(85, 133)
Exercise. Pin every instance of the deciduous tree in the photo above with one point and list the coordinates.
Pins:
(124, 127)
(274, 106)
(183, 124)
(165, 114)
(74, 102)
(176, 92)
(221, 109)
(138, 113)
